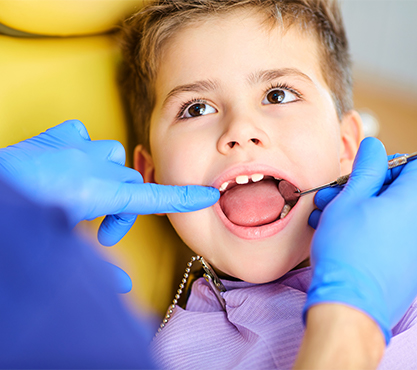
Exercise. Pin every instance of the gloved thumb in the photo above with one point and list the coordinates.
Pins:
(369, 170)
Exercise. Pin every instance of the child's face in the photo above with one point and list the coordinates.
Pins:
(217, 117)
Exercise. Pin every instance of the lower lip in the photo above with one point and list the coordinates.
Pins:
(256, 232)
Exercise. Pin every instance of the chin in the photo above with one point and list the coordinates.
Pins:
(257, 270)
(262, 276)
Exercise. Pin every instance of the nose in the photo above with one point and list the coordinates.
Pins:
(242, 134)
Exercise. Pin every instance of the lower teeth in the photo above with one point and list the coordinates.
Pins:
(285, 210)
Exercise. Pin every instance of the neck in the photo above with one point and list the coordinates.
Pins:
(225, 276)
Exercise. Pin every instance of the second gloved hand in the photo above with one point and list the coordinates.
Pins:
(88, 179)
(365, 247)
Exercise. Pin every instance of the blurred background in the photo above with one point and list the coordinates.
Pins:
(383, 42)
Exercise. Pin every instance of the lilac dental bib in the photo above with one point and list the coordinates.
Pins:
(261, 328)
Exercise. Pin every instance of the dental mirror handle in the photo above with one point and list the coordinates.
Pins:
(395, 162)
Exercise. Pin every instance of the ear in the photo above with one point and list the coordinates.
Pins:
(351, 135)
(142, 162)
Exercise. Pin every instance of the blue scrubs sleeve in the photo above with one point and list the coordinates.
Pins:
(58, 302)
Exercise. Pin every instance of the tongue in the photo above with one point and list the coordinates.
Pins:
(254, 204)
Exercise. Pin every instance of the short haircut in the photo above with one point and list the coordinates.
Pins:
(144, 35)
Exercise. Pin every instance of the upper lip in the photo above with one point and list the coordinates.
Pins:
(250, 169)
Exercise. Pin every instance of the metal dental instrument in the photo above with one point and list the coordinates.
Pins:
(395, 162)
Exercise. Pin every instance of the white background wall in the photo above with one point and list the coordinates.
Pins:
(383, 39)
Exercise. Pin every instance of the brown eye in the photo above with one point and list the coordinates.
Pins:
(276, 96)
(279, 96)
(197, 110)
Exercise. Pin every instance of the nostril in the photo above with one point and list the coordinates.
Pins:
(232, 144)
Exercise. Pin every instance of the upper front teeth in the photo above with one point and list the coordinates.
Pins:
(243, 179)
(257, 177)
(223, 186)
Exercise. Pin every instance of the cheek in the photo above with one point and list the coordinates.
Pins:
(188, 227)
(179, 160)
(308, 125)
(346, 167)
(315, 146)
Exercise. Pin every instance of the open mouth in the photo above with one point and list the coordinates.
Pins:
(257, 200)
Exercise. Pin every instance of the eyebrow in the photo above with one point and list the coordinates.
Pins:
(198, 86)
(254, 78)
(272, 74)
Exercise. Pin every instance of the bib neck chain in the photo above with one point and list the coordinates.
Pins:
(212, 279)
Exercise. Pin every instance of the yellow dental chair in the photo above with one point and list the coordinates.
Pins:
(58, 61)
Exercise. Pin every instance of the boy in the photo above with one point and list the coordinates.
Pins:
(233, 103)
(240, 95)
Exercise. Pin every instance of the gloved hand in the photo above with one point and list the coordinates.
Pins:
(88, 179)
(364, 250)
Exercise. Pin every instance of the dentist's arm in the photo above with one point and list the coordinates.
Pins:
(340, 337)
(88, 179)
(58, 300)
(364, 249)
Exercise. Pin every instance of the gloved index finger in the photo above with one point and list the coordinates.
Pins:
(153, 198)
(369, 169)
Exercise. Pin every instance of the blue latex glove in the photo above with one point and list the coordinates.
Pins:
(88, 179)
(365, 247)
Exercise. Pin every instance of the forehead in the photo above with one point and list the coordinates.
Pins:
(227, 46)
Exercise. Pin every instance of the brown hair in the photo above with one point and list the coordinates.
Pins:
(145, 33)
